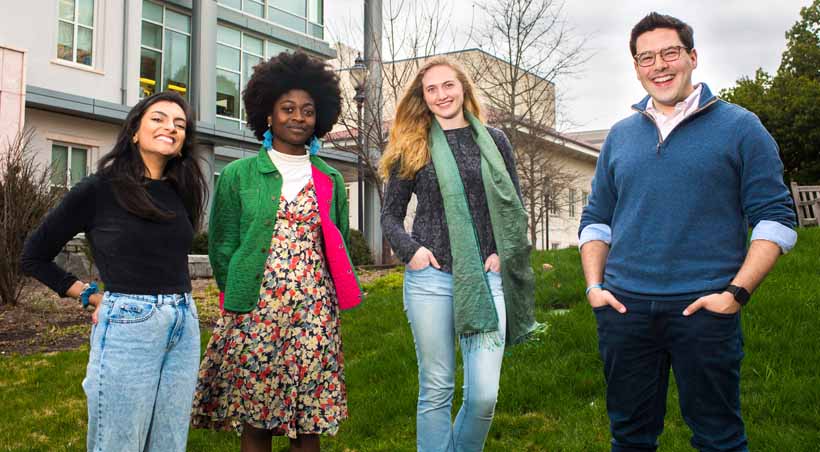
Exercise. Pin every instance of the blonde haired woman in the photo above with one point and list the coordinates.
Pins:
(478, 288)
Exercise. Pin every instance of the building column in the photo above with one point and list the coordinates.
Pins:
(203, 60)
(131, 42)
(12, 94)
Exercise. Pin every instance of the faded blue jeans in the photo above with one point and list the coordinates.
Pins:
(142, 372)
(428, 303)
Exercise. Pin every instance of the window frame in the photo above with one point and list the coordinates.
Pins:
(267, 47)
(75, 23)
(163, 26)
(70, 147)
(267, 5)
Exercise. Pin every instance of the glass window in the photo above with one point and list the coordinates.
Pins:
(304, 16)
(229, 36)
(287, 19)
(237, 54)
(585, 198)
(254, 7)
(65, 41)
(298, 7)
(150, 63)
(176, 62)
(85, 38)
(572, 202)
(249, 61)
(152, 11)
(227, 93)
(67, 10)
(85, 12)
(253, 45)
(69, 165)
(166, 50)
(177, 21)
(75, 31)
(151, 35)
(59, 165)
(316, 11)
(78, 168)
(227, 57)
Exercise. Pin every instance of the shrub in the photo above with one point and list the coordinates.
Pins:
(359, 251)
(200, 243)
(25, 197)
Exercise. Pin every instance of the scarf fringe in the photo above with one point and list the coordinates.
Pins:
(538, 331)
(487, 340)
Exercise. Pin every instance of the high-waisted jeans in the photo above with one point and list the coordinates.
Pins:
(142, 371)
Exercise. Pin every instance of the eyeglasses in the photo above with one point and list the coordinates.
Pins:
(669, 54)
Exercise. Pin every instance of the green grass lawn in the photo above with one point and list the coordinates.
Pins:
(552, 394)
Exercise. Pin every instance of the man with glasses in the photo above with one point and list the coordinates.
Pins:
(664, 245)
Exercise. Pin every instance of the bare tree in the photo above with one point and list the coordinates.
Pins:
(545, 181)
(411, 31)
(25, 196)
(527, 47)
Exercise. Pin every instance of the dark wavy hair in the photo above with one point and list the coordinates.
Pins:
(289, 71)
(654, 21)
(124, 167)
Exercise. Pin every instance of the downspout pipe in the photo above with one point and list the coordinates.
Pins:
(124, 81)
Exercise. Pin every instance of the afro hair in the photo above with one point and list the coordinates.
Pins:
(286, 72)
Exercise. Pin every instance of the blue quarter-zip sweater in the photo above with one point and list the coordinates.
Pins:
(680, 209)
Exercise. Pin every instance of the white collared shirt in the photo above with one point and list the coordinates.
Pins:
(683, 109)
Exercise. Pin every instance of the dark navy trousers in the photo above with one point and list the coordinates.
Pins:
(704, 350)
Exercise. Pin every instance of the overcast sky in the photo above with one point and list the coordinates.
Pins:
(733, 39)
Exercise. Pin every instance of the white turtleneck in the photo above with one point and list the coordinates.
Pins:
(295, 171)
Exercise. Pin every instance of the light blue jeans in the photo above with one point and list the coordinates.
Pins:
(428, 303)
(142, 372)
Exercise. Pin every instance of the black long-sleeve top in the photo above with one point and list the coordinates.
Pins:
(430, 225)
(133, 255)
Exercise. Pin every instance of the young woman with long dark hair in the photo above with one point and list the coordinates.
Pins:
(139, 212)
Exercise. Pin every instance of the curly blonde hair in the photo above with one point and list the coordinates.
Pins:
(408, 145)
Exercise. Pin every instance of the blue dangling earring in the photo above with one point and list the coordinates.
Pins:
(315, 145)
(268, 141)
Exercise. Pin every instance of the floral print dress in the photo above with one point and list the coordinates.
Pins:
(280, 366)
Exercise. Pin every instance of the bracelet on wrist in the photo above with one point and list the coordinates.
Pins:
(594, 286)
(88, 290)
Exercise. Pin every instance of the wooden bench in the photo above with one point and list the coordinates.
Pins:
(807, 203)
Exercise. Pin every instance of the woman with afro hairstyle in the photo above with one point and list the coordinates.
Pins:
(278, 247)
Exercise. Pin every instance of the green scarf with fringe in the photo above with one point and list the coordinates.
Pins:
(476, 320)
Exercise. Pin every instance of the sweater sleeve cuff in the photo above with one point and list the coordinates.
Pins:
(784, 236)
(66, 284)
(408, 250)
(595, 231)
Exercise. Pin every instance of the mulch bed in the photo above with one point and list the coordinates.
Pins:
(43, 322)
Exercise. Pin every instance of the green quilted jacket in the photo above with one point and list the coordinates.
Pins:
(242, 222)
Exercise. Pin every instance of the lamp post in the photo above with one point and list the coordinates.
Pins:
(358, 74)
